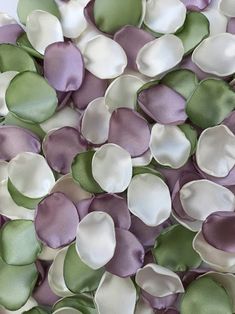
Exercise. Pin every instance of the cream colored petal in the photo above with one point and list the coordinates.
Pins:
(122, 92)
(169, 145)
(142, 160)
(5, 79)
(104, 57)
(95, 122)
(96, 240)
(6, 19)
(191, 225)
(3, 170)
(215, 152)
(158, 281)
(149, 199)
(160, 55)
(115, 295)
(28, 306)
(165, 16)
(43, 29)
(218, 22)
(47, 253)
(210, 58)
(112, 168)
(31, 175)
(227, 7)
(89, 33)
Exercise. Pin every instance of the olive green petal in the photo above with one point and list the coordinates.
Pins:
(82, 173)
(205, 296)
(183, 82)
(195, 29)
(13, 58)
(191, 135)
(211, 103)
(25, 7)
(81, 302)
(18, 243)
(173, 249)
(24, 43)
(31, 98)
(37, 310)
(16, 284)
(111, 15)
(147, 169)
(20, 199)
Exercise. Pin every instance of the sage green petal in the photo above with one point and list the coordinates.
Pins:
(78, 276)
(147, 169)
(211, 102)
(205, 296)
(20, 199)
(81, 302)
(37, 310)
(195, 29)
(82, 173)
(111, 15)
(31, 98)
(183, 82)
(25, 7)
(173, 249)
(191, 135)
(16, 284)
(13, 58)
(24, 43)
(18, 243)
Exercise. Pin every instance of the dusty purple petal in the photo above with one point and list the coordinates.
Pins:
(92, 88)
(61, 146)
(145, 234)
(160, 303)
(170, 311)
(64, 66)
(129, 130)
(128, 256)
(56, 220)
(115, 206)
(10, 147)
(10, 33)
(196, 5)
(219, 229)
(231, 26)
(163, 104)
(83, 207)
(192, 275)
(63, 99)
(132, 39)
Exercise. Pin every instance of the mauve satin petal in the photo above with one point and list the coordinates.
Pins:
(128, 256)
(170, 311)
(196, 5)
(63, 99)
(129, 130)
(56, 220)
(132, 39)
(192, 275)
(10, 33)
(163, 104)
(61, 146)
(115, 206)
(15, 140)
(64, 66)
(231, 26)
(83, 207)
(219, 231)
(92, 88)
(160, 303)
(145, 234)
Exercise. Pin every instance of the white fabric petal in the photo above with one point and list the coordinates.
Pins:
(215, 152)
(96, 240)
(158, 281)
(104, 57)
(6, 19)
(31, 175)
(122, 92)
(142, 160)
(95, 122)
(227, 7)
(43, 29)
(143, 307)
(64, 117)
(191, 225)
(56, 275)
(3, 170)
(210, 58)
(160, 55)
(71, 189)
(28, 306)
(47, 253)
(149, 199)
(169, 145)
(218, 22)
(89, 33)
(5, 79)
(200, 198)
(73, 20)
(112, 168)
(216, 259)
(67, 310)
(165, 16)
(115, 295)
(9, 208)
